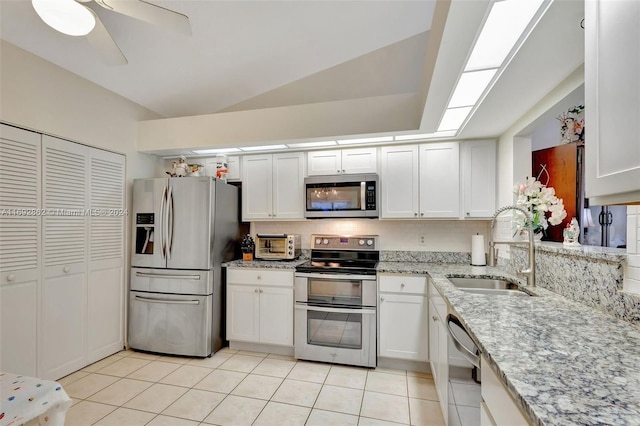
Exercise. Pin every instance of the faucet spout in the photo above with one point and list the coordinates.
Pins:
(530, 271)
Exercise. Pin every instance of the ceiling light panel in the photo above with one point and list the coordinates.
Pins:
(453, 118)
(365, 140)
(263, 148)
(505, 24)
(215, 151)
(470, 87)
(311, 144)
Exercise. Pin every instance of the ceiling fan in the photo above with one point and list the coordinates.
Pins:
(72, 17)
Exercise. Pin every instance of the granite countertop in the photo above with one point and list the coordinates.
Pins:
(563, 362)
(265, 264)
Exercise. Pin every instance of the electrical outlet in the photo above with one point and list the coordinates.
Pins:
(422, 240)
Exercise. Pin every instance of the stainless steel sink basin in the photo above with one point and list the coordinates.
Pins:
(487, 286)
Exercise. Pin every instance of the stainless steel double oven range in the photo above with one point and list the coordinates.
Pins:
(336, 301)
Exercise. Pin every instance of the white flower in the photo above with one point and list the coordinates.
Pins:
(538, 199)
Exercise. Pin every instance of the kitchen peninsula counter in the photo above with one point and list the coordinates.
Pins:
(563, 362)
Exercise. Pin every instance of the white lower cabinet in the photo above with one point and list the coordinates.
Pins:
(260, 306)
(438, 349)
(498, 405)
(403, 318)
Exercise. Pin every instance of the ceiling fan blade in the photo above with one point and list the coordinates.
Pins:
(150, 13)
(101, 40)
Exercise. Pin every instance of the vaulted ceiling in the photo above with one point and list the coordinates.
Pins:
(248, 55)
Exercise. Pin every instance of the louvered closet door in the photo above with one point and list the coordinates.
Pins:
(106, 254)
(65, 256)
(19, 237)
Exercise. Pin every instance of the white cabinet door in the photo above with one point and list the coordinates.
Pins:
(64, 297)
(234, 169)
(288, 186)
(612, 101)
(404, 327)
(327, 162)
(19, 249)
(433, 341)
(276, 316)
(399, 181)
(440, 180)
(257, 193)
(105, 322)
(342, 161)
(478, 169)
(243, 313)
(442, 385)
(360, 160)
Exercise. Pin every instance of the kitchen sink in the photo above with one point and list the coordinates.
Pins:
(487, 286)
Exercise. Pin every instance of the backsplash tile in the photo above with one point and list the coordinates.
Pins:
(395, 235)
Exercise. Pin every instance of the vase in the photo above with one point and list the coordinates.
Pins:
(537, 236)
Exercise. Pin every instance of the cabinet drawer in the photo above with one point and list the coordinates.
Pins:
(403, 284)
(260, 277)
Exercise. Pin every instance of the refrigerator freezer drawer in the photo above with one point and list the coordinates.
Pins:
(170, 324)
(176, 281)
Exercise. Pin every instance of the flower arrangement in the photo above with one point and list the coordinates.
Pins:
(538, 199)
(572, 124)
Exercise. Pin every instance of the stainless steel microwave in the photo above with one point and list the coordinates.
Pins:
(354, 196)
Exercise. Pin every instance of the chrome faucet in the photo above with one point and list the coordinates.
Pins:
(530, 272)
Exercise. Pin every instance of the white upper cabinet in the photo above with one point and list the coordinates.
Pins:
(478, 173)
(440, 180)
(400, 181)
(421, 181)
(342, 161)
(612, 101)
(273, 186)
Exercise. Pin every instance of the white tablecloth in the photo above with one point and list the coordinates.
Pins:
(25, 398)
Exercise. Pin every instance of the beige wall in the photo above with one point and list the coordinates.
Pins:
(40, 96)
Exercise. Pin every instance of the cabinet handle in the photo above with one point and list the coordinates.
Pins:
(11, 277)
(255, 291)
(259, 277)
(260, 290)
(435, 318)
(343, 171)
(421, 214)
(468, 214)
(415, 214)
(66, 269)
(338, 171)
(382, 299)
(401, 285)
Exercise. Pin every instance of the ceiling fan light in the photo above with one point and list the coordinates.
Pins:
(66, 16)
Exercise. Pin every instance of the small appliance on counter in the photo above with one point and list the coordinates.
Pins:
(277, 246)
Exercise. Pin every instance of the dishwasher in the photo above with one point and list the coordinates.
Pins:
(466, 347)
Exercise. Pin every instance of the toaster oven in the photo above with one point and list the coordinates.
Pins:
(277, 246)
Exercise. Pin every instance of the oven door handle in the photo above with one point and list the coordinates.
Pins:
(340, 277)
(336, 310)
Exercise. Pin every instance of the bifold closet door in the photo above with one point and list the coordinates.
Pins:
(105, 286)
(20, 227)
(63, 327)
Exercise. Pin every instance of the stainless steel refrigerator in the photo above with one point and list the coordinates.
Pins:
(182, 228)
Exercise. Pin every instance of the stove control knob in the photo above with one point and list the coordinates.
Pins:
(369, 242)
(325, 241)
(318, 240)
(361, 242)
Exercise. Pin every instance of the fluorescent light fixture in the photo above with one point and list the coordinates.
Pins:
(262, 148)
(215, 151)
(424, 136)
(311, 144)
(453, 118)
(505, 24)
(66, 16)
(470, 87)
(365, 140)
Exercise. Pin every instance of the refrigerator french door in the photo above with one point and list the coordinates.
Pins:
(182, 227)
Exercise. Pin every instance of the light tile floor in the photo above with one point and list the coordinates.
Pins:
(249, 388)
